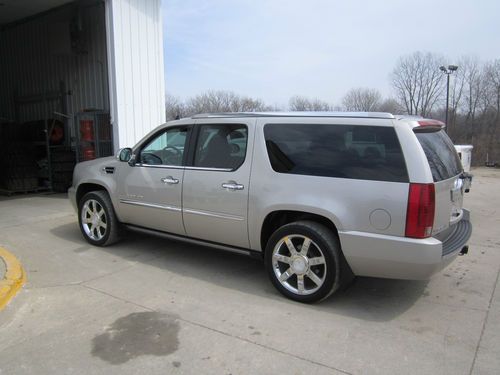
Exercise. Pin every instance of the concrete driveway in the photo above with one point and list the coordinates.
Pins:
(148, 305)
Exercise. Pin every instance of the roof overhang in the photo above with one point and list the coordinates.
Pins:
(17, 10)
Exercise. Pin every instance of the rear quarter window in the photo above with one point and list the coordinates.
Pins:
(441, 155)
(344, 151)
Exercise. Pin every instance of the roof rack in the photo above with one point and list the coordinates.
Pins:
(375, 115)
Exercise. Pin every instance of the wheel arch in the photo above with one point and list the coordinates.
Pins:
(277, 219)
(87, 187)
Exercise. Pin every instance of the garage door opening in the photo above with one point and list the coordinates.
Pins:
(54, 98)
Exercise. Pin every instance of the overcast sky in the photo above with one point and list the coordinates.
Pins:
(275, 49)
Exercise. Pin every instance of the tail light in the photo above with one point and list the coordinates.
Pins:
(420, 211)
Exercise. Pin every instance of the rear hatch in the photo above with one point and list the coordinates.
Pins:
(447, 173)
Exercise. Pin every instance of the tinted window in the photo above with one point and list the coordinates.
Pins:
(360, 152)
(221, 146)
(166, 148)
(441, 154)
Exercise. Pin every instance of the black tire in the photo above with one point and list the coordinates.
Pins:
(99, 236)
(323, 243)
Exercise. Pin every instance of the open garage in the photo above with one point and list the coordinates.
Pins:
(78, 79)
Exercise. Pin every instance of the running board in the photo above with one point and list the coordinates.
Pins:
(175, 237)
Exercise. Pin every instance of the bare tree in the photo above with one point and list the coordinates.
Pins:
(175, 108)
(470, 99)
(301, 103)
(475, 107)
(457, 90)
(390, 105)
(247, 104)
(418, 82)
(492, 120)
(362, 99)
(224, 101)
(212, 102)
(492, 75)
(467, 77)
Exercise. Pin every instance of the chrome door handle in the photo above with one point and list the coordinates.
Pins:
(232, 186)
(170, 180)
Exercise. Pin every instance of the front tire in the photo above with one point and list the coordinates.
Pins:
(303, 261)
(97, 219)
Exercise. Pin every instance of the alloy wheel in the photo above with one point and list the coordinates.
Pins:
(94, 220)
(299, 264)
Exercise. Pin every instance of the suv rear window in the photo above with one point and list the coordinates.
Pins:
(441, 155)
(346, 151)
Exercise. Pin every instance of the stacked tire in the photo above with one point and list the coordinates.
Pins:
(63, 162)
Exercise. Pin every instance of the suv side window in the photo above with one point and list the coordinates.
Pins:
(166, 148)
(221, 146)
(345, 151)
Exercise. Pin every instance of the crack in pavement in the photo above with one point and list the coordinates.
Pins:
(124, 268)
(484, 323)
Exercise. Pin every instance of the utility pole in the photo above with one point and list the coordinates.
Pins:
(447, 70)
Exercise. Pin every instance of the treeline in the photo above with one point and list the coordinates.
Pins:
(474, 99)
(213, 102)
(359, 99)
(419, 88)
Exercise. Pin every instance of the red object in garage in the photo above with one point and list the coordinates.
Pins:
(57, 134)
(88, 153)
(87, 130)
(94, 137)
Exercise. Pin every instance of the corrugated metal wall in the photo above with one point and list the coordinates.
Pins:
(67, 44)
(135, 40)
(125, 35)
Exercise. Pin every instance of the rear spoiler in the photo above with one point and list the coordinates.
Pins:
(424, 126)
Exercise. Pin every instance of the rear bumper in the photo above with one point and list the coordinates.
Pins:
(458, 237)
(377, 255)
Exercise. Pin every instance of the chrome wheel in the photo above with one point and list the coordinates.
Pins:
(299, 264)
(94, 220)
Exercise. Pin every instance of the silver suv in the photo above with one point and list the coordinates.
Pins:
(321, 197)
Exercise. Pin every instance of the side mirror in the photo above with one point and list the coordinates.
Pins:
(124, 154)
(131, 160)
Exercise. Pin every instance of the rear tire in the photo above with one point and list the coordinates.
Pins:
(97, 219)
(304, 261)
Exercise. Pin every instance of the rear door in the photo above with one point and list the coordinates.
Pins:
(215, 189)
(446, 171)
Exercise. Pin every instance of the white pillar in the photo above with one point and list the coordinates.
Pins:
(136, 72)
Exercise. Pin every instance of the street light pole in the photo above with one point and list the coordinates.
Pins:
(447, 70)
(447, 98)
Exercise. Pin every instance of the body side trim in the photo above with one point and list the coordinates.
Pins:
(151, 205)
(213, 214)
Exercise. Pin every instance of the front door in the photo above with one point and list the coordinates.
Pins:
(215, 189)
(151, 190)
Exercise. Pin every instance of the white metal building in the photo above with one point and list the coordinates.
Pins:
(61, 60)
